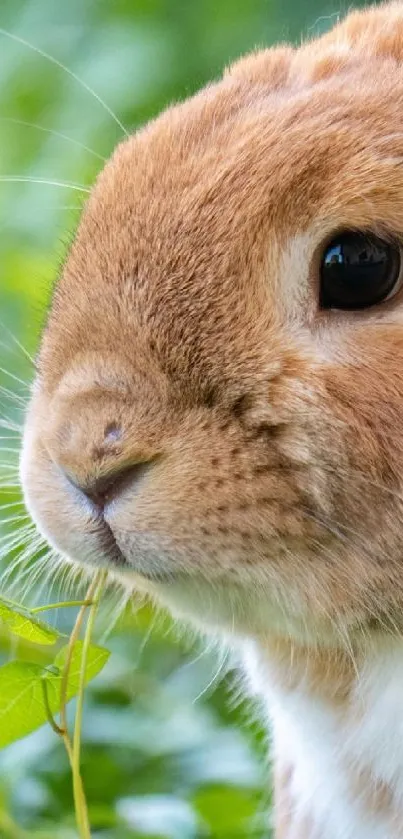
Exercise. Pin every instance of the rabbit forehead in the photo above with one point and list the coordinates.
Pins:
(213, 185)
(189, 229)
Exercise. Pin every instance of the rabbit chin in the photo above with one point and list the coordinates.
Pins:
(233, 610)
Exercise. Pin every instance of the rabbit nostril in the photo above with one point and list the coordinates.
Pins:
(106, 488)
(112, 433)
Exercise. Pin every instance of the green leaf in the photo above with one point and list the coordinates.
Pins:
(21, 622)
(22, 707)
(226, 810)
(96, 660)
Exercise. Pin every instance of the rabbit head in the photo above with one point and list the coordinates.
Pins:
(219, 397)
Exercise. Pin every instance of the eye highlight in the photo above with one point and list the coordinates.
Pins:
(358, 270)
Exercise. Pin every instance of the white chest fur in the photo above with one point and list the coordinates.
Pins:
(346, 757)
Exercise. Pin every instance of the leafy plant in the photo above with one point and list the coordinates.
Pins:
(31, 694)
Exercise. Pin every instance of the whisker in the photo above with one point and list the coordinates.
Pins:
(12, 395)
(66, 70)
(28, 519)
(9, 541)
(70, 579)
(48, 576)
(217, 676)
(54, 134)
(69, 207)
(329, 525)
(17, 343)
(56, 573)
(74, 576)
(34, 541)
(340, 530)
(46, 181)
(364, 479)
(15, 573)
(111, 609)
(19, 567)
(8, 548)
(35, 544)
(14, 377)
(18, 503)
(11, 519)
(10, 425)
(42, 570)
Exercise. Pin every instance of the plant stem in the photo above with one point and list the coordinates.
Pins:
(51, 720)
(80, 696)
(93, 595)
(70, 649)
(9, 829)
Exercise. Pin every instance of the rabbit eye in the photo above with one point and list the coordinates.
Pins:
(358, 270)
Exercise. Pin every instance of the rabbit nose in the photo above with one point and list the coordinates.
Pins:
(105, 488)
(95, 452)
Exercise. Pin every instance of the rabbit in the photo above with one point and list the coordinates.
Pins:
(217, 411)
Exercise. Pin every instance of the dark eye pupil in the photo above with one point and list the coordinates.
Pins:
(358, 271)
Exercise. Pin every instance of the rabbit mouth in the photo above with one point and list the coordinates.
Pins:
(115, 557)
(109, 544)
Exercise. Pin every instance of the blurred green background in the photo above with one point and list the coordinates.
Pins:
(170, 750)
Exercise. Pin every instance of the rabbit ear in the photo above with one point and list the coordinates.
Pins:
(376, 31)
(266, 68)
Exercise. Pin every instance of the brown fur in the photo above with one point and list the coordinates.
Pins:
(182, 321)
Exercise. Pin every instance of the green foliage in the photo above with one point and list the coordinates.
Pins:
(22, 685)
(167, 752)
(20, 621)
(30, 694)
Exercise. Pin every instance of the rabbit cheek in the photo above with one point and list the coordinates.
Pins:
(364, 463)
(218, 518)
